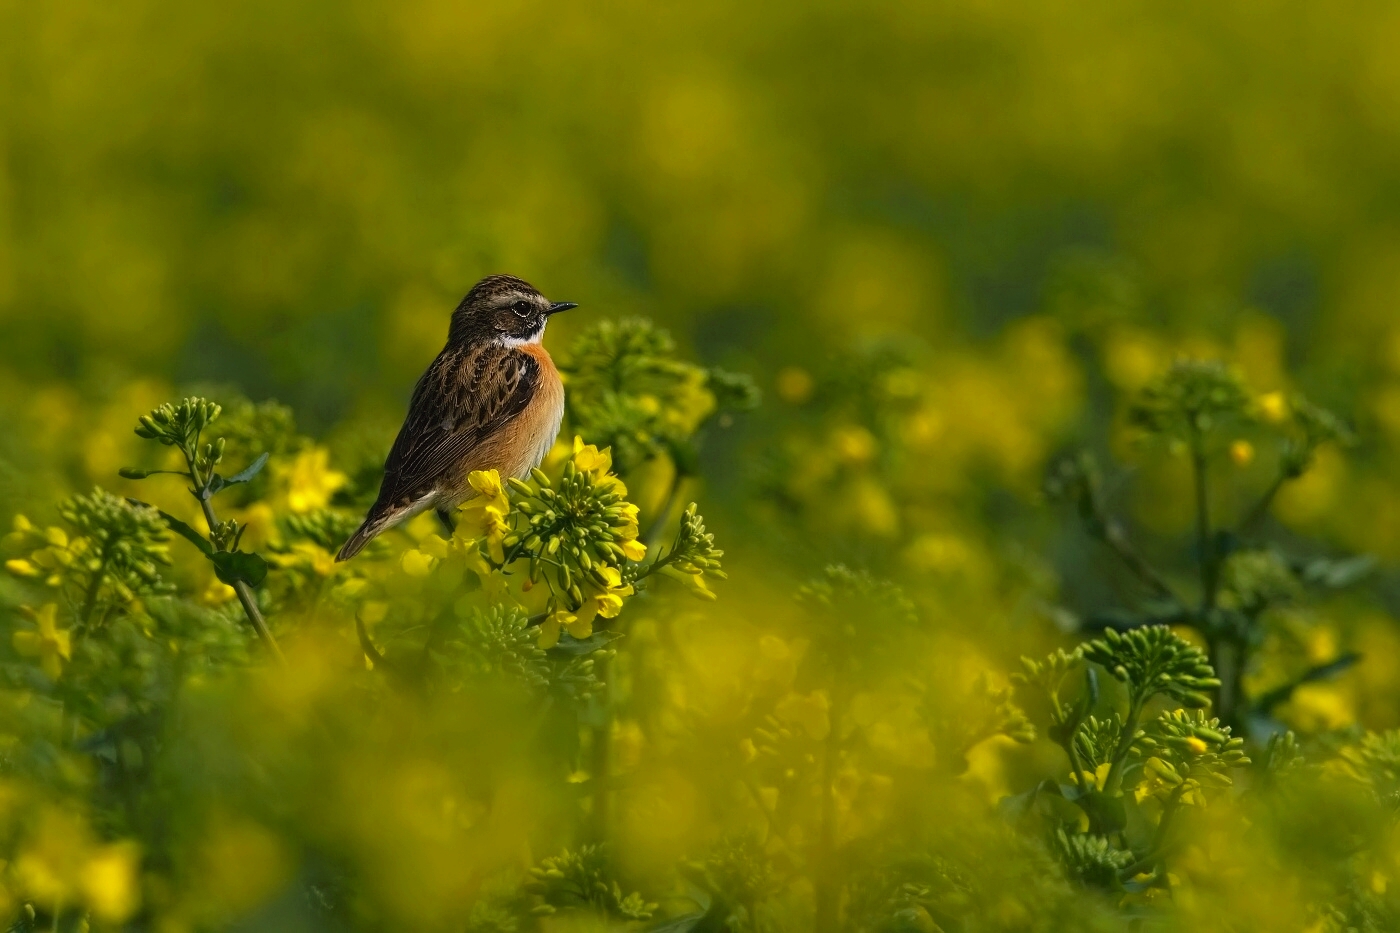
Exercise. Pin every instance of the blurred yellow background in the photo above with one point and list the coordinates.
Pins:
(947, 240)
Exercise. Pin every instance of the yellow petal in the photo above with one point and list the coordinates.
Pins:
(487, 483)
(51, 665)
(634, 550)
(579, 628)
(611, 576)
(609, 605)
(63, 643)
(417, 563)
(549, 632)
(433, 545)
(21, 568)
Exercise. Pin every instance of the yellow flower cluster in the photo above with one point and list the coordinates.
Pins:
(55, 552)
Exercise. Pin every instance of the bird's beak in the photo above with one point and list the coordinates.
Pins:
(561, 306)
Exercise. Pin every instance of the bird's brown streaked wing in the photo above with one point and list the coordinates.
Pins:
(460, 400)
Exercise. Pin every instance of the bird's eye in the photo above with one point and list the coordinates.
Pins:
(522, 308)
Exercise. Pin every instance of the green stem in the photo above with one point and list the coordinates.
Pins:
(1159, 839)
(1261, 508)
(1204, 542)
(95, 587)
(825, 878)
(246, 598)
(1113, 782)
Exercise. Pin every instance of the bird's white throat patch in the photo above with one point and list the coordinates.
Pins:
(514, 342)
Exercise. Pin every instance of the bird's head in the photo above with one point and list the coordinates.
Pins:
(503, 309)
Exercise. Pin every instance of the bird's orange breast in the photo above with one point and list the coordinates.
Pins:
(520, 444)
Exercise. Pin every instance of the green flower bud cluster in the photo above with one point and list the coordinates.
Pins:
(1190, 399)
(179, 425)
(573, 531)
(127, 542)
(115, 555)
(629, 391)
(1097, 739)
(1375, 761)
(694, 551)
(1153, 659)
(1049, 677)
(1183, 745)
(1315, 426)
(856, 593)
(1252, 580)
(581, 879)
(326, 528)
(1091, 860)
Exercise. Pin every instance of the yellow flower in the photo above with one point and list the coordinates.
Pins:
(608, 602)
(110, 882)
(565, 621)
(50, 644)
(307, 555)
(627, 533)
(1196, 746)
(310, 480)
(1273, 407)
(417, 563)
(1242, 453)
(484, 515)
(589, 459)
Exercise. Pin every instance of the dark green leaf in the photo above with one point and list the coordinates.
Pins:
(1106, 814)
(183, 530)
(239, 566)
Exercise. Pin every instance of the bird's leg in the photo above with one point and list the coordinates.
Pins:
(445, 517)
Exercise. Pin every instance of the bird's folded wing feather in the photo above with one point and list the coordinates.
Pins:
(461, 399)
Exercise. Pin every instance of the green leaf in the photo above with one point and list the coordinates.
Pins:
(246, 475)
(1106, 813)
(239, 567)
(569, 645)
(1337, 574)
(181, 529)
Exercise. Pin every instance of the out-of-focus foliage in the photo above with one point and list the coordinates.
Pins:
(1049, 587)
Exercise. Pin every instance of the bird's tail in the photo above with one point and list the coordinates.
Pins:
(376, 521)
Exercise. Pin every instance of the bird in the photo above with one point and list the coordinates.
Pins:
(491, 400)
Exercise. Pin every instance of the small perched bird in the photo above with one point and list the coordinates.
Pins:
(492, 400)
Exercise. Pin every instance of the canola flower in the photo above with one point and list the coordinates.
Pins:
(50, 645)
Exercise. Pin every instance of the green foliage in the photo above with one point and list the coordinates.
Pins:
(629, 392)
(1190, 400)
(1151, 660)
(581, 879)
(114, 556)
(1091, 860)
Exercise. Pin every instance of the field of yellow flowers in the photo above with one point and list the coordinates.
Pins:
(976, 507)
